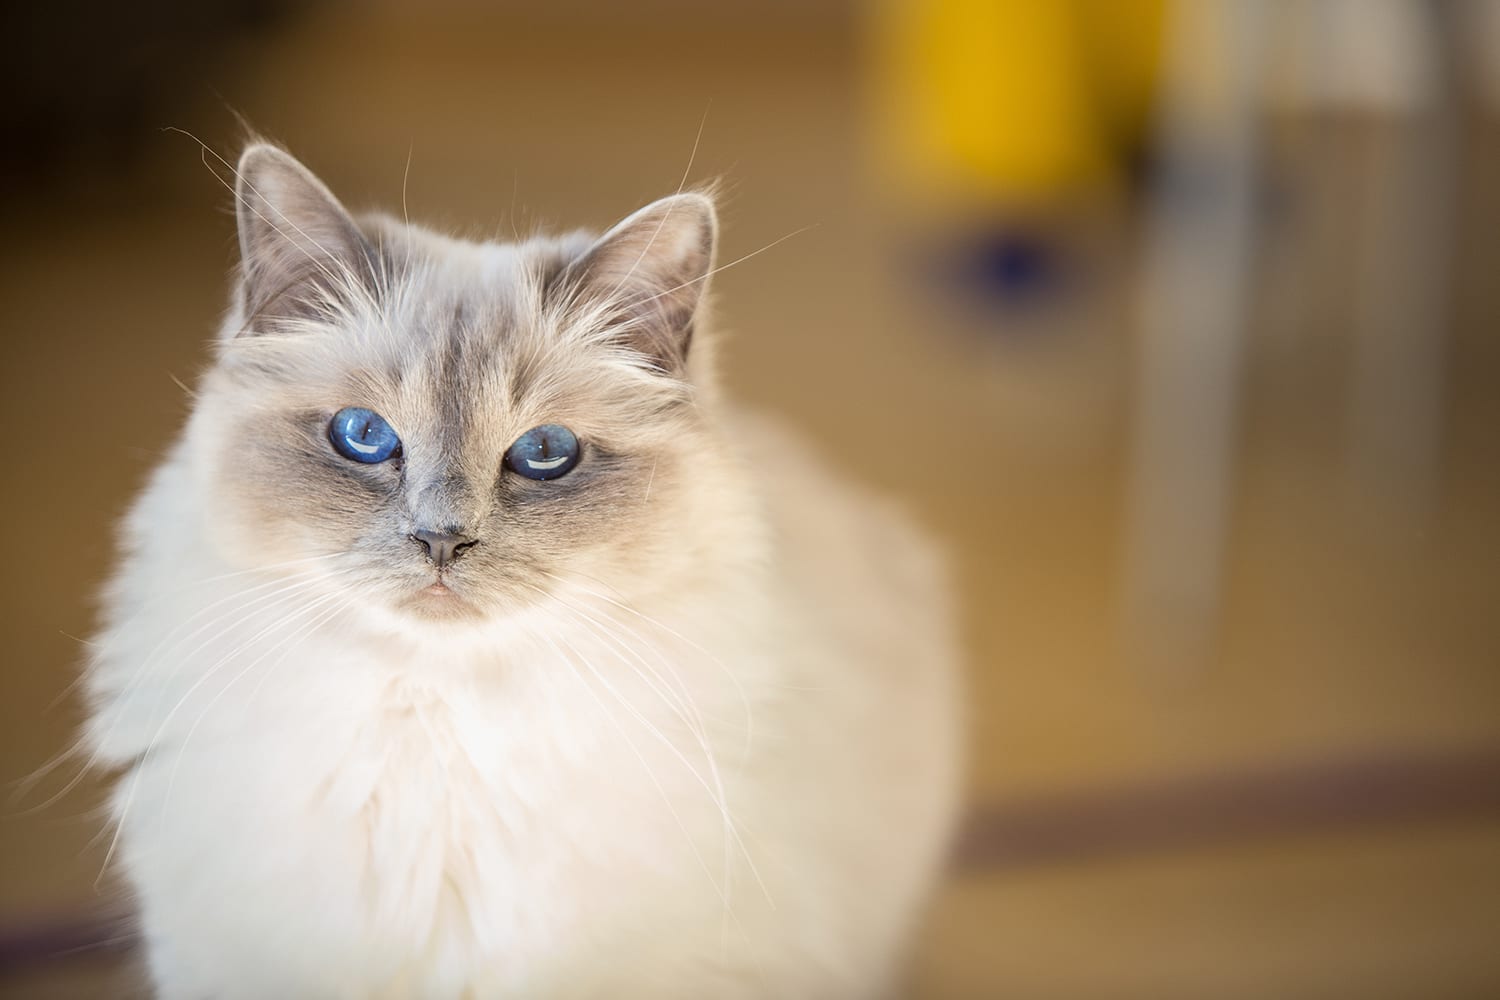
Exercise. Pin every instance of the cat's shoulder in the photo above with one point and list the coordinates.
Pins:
(831, 527)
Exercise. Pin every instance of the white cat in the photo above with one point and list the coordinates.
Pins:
(469, 644)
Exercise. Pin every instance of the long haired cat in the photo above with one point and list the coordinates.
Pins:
(468, 643)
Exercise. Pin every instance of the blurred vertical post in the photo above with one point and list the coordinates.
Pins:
(1196, 271)
(1404, 259)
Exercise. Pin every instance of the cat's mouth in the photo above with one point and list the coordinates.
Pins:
(437, 599)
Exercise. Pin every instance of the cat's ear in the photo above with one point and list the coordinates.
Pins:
(646, 277)
(299, 248)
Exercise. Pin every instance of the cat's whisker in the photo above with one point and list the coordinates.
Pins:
(267, 568)
(123, 812)
(679, 701)
(24, 785)
(657, 231)
(344, 284)
(723, 891)
(616, 624)
(58, 796)
(510, 212)
(248, 612)
(174, 639)
(281, 583)
(137, 767)
(176, 591)
(696, 727)
(635, 750)
(406, 176)
(71, 688)
(217, 625)
(679, 698)
(255, 691)
(628, 609)
(617, 633)
(635, 303)
(285, 643)
(717, 797)
(345, 280)
(186, 389)
(732, 825)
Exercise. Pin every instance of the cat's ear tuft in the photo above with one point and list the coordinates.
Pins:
(645, 278)
(299, 248)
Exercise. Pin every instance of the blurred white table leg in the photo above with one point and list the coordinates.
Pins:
(1405, 258)
(1197, 264)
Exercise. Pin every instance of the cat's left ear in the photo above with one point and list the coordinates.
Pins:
(646, 277)
(299, 248)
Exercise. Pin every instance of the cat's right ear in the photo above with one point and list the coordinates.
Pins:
(299, 249)
(646, 276)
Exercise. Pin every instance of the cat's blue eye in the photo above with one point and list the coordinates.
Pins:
(362, 435)
(544, 452)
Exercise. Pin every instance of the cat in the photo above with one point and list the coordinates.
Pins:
(470, 643)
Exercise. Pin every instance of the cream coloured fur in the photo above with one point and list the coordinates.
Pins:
(689, 731)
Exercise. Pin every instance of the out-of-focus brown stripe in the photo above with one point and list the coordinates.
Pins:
(1153, 819)
(1227, 808)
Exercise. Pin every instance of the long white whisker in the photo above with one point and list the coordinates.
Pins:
(665, 215)
(744, 699)
(716, 798)
(405, 176)
(729, 673)
(651, 774)
(344, 279)
(679, 699)
(151, 743)
(287, 643)
(25, 785)
(722, 892)
(632, 305)
(690, 716)
(285, 590)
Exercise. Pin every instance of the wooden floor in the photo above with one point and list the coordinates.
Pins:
(1350, 628)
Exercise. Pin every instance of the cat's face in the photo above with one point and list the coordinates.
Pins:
(450, 430)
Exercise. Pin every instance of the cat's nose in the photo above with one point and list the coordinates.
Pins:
(442, 547)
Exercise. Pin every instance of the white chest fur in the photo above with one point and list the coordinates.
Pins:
(437, 827)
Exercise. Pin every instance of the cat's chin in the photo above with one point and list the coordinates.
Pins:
(439, 602)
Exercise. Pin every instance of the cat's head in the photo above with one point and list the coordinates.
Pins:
(454, 430)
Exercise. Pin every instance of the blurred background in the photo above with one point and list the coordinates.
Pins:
(1207, 289)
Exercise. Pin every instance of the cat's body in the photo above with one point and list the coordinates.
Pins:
(681, 723)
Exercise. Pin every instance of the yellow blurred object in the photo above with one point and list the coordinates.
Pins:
(1013, 99)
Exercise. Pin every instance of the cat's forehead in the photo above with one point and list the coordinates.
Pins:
(445, 293)
(455, 317)
(471, 336)
(465, 342)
